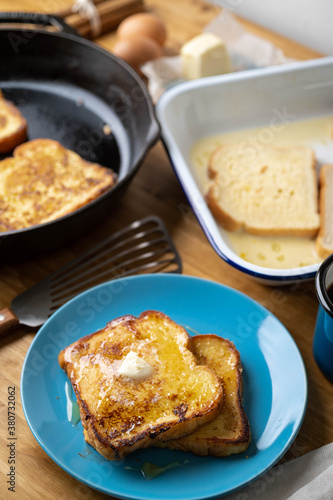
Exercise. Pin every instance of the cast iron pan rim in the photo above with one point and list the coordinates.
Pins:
(78, 39)
(153, 131)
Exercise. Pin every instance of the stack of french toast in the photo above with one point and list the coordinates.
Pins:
(144, 381)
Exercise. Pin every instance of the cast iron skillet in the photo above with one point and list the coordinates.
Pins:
(68, 89)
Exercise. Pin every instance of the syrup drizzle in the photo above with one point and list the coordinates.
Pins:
(73, 412)
(149, 470)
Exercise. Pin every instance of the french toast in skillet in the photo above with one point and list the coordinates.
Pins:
(121, 412)
(13, 126)
(44, 181)
(229, 433)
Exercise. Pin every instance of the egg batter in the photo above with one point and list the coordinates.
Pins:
(271, 252)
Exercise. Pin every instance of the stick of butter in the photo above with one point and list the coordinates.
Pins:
(204, 55)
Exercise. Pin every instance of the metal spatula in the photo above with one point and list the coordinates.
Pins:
(142, 247)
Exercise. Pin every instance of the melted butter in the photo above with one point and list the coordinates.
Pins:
(271, 252)
(134, 367)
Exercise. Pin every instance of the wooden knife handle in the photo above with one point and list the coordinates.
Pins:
(8, 320)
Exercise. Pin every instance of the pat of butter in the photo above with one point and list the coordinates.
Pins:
(135, 367)
(204, 55)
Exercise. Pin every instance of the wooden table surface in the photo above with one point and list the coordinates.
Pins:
(155, 190)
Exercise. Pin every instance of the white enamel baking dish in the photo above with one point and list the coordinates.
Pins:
(209, 106)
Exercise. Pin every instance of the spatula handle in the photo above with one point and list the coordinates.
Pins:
(8, 320)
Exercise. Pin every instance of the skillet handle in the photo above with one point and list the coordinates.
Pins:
(8, 320)
(38, 19)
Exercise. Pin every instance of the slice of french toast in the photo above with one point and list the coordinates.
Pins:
(229, 433)
(44, 181)
(137, 383)
(13, 126)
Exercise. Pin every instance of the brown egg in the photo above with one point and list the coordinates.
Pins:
(137, 50)
(144, 24)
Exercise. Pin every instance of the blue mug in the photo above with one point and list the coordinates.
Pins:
(323, 334)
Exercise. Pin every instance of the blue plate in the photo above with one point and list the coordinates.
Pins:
(271, 360)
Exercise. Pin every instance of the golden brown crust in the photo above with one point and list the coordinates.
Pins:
(230, 432)
(44, 181)
(13, 126)
(124, 414)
